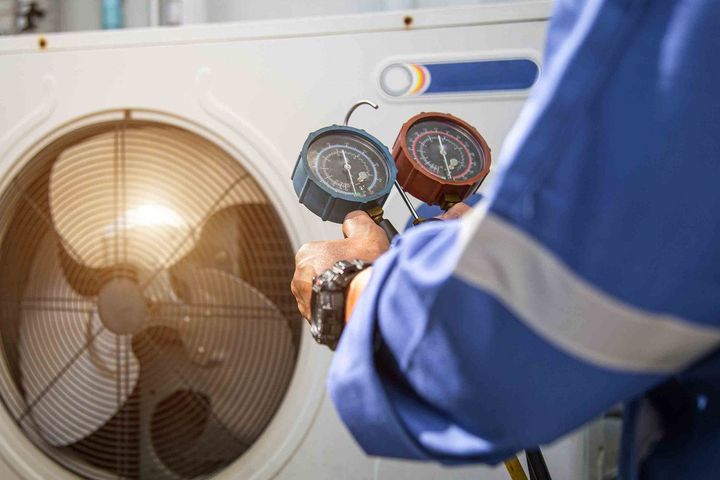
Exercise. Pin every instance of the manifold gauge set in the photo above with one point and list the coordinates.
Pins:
(437, 158)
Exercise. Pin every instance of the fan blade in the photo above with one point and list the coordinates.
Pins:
(160, 289)
(248, 241)
(83, 279)
(130, 196)
(75, 374)
(239, 348)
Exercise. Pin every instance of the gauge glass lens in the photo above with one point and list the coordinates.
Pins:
(348, 164)
(445, 150)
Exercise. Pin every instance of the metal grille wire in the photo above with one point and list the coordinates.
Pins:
(146, 322)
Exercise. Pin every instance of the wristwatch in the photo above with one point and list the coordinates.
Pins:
(327, 305)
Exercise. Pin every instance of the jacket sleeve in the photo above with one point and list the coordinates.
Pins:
(579, 281)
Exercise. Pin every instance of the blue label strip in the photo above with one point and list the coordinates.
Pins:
(466, 77)
(487, 76)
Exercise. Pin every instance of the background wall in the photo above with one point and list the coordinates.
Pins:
(76, 15)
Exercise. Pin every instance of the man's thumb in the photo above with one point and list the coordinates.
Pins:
(357, 223)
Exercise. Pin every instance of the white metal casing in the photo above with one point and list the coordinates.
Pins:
(257, 89)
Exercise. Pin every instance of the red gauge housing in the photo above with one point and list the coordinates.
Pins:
(418, 179)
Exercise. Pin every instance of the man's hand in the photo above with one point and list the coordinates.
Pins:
(457, 211)
(363, 240)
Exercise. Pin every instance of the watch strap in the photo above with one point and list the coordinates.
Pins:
(327, 306)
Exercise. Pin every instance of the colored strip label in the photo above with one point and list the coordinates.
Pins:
(466, 77)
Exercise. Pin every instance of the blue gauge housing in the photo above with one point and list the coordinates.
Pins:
(327, 203)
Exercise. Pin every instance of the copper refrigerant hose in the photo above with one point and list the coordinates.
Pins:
(537, 468)
(514, 469)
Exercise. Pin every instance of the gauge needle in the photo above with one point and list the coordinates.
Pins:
(444, 155)
(347, 168)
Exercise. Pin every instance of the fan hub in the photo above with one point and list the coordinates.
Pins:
(122, 306)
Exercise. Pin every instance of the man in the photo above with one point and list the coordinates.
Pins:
(590, 274)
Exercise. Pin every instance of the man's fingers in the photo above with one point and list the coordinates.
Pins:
(357, 223)
(367, 243)
(457, 211)
(301, 287)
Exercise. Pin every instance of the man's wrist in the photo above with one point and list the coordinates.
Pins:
(354, 290)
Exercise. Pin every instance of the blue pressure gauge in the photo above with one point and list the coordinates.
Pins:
(341, 169)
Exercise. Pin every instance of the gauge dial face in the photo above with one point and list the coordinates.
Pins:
(348, 164)
(445, 150)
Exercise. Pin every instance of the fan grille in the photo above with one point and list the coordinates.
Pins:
(146, 322)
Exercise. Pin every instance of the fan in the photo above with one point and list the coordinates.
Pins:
(146, 320)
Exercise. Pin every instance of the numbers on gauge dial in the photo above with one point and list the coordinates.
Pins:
(348, 164)
(445, 150)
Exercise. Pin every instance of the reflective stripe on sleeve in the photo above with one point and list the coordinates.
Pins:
(568, 311)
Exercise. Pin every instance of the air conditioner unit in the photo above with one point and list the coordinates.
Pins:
(148, 227)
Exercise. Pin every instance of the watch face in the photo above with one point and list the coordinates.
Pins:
(327, 306)
(314, 329)
(327, 309)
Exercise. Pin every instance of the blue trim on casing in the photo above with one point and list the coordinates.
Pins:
(481, 76)
(328, 204)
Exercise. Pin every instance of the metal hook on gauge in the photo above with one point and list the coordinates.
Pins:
(355, 106)
(402, 193)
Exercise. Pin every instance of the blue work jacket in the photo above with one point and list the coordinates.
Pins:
(589, 275)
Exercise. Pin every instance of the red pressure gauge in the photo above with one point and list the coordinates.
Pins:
(440, 158)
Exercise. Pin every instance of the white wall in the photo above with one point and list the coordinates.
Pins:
(224, 11)
(7, 16)
(77, 15)
(220, 10)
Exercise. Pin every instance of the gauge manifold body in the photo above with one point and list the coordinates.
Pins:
(440, 158)
(341, 169)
